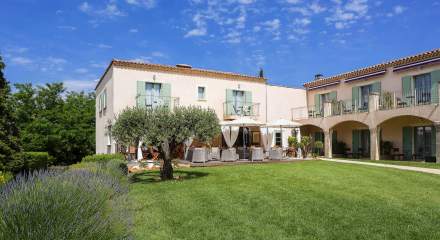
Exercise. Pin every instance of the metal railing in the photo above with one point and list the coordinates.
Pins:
(348, 106)
(417, 97)
(235, 108)
(151, 101)
(301, 113)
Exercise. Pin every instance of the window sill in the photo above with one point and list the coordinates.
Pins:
(201, 100)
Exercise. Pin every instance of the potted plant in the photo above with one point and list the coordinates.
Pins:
(386, 149)
(293, 145)
(319, 146)
(305, 144)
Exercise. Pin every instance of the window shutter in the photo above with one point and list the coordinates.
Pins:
(248, 101)
(355, 97)
(433, 141)
(141, 94)
(435, 78)
(406, 89)
(407, 142)
(229, 102)
(376, 87)
(104, 97)
(356, 139)
(333, 96)
(100, 103)
(317, 103)
(165, 94)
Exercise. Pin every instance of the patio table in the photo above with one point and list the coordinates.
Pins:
(276, 154)
(199, 155)
(257, 154)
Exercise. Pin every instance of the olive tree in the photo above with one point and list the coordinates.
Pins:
(130, 126)
(165, 129)
(169, 130)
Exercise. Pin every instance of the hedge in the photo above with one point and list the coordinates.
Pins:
(102, 157)
(88, 201)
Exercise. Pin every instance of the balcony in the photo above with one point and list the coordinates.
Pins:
(151, 101)
(234, 109)
(383, 101)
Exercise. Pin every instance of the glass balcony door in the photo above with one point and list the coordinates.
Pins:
(365, 94)
(423, 142)
(238, 101)
(153, 95)
(422, 87)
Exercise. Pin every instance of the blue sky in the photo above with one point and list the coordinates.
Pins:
(73, 41)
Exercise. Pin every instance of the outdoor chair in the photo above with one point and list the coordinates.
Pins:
(214, 154)
(257, 154)
(276, 153)
(229, 155)
(199, 155)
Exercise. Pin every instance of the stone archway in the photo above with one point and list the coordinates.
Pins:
(350, 139)
(408, 137)
(317, 134)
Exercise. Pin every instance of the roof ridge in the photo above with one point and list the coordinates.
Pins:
(192, 68)
(380, 66)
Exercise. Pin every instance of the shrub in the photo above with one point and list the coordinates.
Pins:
(102, 157)
(5, 177)
(80, 203)
(30, 161)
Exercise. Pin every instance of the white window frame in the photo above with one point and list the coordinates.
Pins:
(104, 99)
(204, 93)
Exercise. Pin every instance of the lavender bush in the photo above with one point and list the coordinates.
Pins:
(88, 202)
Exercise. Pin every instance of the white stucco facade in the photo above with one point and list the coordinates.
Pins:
(120, 85)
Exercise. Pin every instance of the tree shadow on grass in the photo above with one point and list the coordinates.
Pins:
(147, 177)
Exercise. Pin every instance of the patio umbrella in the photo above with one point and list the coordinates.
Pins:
(243, 122)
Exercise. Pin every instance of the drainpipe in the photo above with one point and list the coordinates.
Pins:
(266, 103)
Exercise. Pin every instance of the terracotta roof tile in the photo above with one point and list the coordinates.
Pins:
(181, 70)
(375, 68)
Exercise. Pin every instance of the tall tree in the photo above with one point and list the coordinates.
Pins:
(8, 130)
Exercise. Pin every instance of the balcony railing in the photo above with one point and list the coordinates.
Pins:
(383, 101)
(416, 97)
(151, 101)
(234, 108)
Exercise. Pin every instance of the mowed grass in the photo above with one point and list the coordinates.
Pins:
(303, 200)
(403, 163)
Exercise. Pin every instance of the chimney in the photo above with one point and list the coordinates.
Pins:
(318, 76)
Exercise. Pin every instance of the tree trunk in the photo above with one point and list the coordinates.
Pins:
(166, 171)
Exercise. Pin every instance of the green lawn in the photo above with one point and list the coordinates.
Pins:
(304, 200)
(404, 163)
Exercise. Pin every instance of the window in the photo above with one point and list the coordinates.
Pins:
(201, 93)
(278, 139)
(423, 137)
(99, 103)
(152, 98)
(365, 94)
(104, 99)
(238, 101)
(422, 87)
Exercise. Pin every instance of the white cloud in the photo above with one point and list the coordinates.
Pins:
(196, 32)
(21, 61)
(233, 37)
(293, 1)
(302, 21)
(398, 9)
(80, 85)
(104, 46)
(316, 8)
(56, 61)
(16, 49)
(345, 16)
(81, 70)
(110, 10)
(144, 3)
(158, 54)
(246, 1)
(134, 30)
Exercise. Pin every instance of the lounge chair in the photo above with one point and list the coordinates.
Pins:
(257, 154)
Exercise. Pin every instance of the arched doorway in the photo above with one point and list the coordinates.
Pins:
(350, 139)
(408, 138)
(317, 135)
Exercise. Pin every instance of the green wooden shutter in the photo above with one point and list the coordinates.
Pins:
(318, 103)
(248, 101)
(229, 110)
(333, 96)
(165, 94)
(99, 103)
(433, 142)
(104, 97)
(435, 78)
(406, 89)
(355, 97)
(356, 140)
(407, 142)
(376, 87)
(141, 94)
